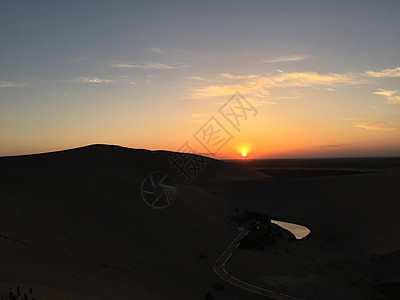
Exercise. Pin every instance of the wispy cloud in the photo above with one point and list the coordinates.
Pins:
(198, 118)
(391, 96)
(297, 79)
(306, 79)
(199, 78)
(154, 50)
(377, 126)
(146, 66)
(221, 90)
(259, 85)
(287, 58)
(262, 102)
(385, 73)
(230, 76)
(91, 80)
(8, 84)
(287, 97)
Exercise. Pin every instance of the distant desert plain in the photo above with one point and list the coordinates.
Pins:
(74, 224)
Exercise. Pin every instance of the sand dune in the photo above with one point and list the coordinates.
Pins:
(74, 226)
(359, 212)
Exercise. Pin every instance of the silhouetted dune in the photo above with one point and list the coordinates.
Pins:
(80, 211)
(118, 161)
(74, 225)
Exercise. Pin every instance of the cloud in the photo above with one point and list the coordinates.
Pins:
(259, 85)
(288, 58)
(132, 82)
(296, 79)
(377, 126)
(154, 50)
(385, 93)
(230, 76)
(146, 66)
(392, 97)
(220, 90)
(306, 79)
(92, 80)
(199, 78)
(287, 97)
(8, 84)
(385, 73)
(259, 103)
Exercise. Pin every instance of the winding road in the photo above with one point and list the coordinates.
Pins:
(219, 269)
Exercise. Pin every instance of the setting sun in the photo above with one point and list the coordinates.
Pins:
(243, 148)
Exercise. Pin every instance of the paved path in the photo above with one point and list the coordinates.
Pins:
(219, 269)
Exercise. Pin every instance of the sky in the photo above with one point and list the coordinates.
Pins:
(274, 79)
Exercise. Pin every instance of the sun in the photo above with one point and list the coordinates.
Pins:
(244, 149)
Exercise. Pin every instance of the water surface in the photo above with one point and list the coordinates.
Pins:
(298, 231)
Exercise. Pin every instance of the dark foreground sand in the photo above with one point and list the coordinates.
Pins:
(73, 226)
(353, 251)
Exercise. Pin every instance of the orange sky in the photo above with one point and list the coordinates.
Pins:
(315, 80)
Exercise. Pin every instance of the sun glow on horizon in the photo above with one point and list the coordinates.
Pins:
(286, 99)
(243, 148)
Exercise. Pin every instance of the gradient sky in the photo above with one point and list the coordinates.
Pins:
(323, 76)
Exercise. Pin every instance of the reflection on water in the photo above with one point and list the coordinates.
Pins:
(298, 231)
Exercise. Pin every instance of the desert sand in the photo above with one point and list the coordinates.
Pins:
(74, 226)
